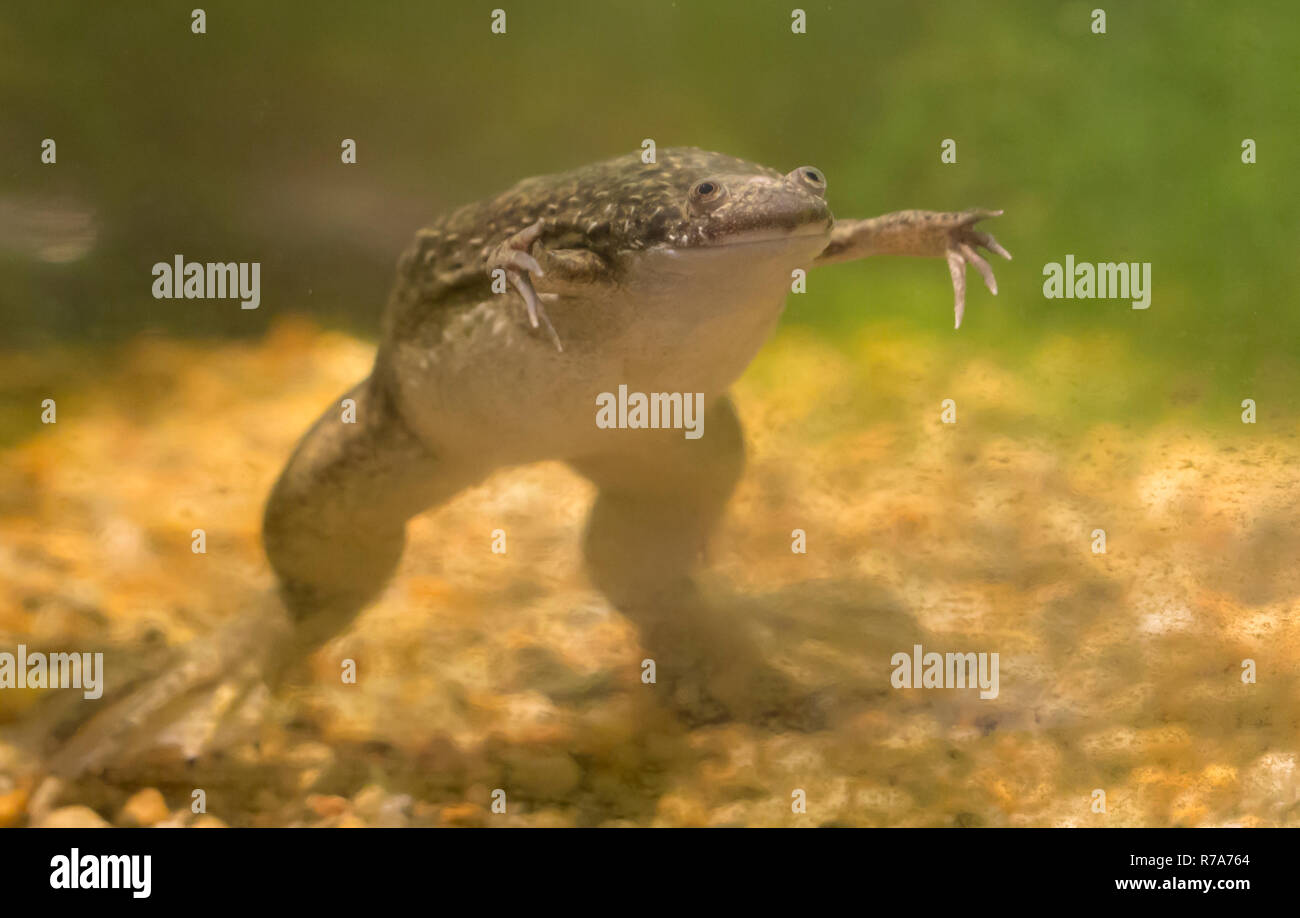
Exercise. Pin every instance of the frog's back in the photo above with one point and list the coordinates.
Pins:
(620, 204)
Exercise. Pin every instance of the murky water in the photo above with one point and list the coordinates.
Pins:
(1108, 503)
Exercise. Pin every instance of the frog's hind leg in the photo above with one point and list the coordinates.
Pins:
(334, 530)
(335, 522)
(660, 497)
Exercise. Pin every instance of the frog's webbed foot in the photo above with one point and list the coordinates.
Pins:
(962, 237)
(208, 693)
(513, 257)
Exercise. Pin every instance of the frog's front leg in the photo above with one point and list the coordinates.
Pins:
(520, 267)
(563, 269)
(925, 233)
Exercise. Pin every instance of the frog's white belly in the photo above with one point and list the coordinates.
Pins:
(679, 322)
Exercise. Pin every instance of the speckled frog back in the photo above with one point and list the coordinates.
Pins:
(621, 204)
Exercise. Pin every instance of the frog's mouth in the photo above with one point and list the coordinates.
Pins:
(761, 241)
(770, 236)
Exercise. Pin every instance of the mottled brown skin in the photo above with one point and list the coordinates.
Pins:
(586, 220)
(664, 277)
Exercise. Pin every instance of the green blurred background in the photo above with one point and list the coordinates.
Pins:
(1124, 146)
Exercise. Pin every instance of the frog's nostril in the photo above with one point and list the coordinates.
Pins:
(810, 177)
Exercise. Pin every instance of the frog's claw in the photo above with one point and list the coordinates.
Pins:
(962, 238)
(512, 257)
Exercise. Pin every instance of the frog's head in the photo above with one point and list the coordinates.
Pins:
(693, 199)
(703, 248)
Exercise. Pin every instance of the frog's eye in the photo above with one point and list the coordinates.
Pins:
(811, 178)
(707, 194)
